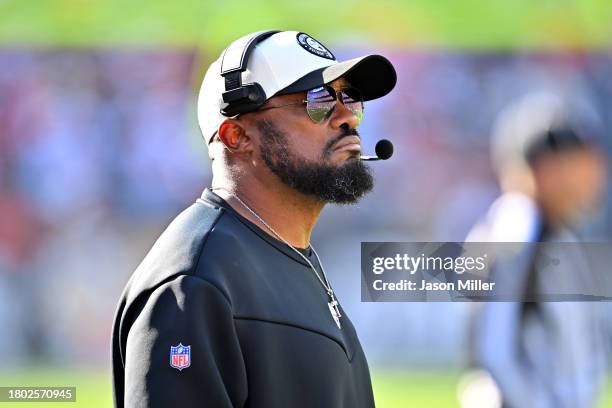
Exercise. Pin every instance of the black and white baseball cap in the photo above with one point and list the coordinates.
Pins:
(289, 62)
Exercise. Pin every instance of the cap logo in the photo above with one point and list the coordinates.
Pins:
(313, 46)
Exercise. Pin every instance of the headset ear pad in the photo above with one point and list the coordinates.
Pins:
(241, 98)
(251, 97)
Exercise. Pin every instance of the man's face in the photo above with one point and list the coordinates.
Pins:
(571, 182)
(317, 159)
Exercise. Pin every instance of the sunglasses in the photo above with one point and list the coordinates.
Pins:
(320, 103)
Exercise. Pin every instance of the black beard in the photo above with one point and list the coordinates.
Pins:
(343, 184)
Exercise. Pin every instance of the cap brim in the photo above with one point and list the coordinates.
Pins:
(373, 75)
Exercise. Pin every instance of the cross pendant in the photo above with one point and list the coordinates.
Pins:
(335, 311)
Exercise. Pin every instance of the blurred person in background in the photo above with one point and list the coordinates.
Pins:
(22, 230)
(552, 174)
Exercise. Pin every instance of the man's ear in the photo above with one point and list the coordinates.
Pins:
(233, 136)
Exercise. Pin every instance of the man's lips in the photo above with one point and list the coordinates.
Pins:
(348, 143)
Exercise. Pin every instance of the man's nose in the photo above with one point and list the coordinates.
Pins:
(343, 116)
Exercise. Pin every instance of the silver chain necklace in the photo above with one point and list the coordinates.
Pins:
(333, 303)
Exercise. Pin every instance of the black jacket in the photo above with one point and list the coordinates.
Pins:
(252, 312)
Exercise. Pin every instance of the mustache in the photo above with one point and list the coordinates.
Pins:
(327, 150)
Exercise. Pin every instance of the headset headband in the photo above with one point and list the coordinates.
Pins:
(241, 98)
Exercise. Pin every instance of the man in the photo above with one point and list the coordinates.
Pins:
(231, 307)
(541, 354)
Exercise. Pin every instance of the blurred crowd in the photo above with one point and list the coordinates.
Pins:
(94, 153)
(99, 150)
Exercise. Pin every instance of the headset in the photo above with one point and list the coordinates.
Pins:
(241, 98)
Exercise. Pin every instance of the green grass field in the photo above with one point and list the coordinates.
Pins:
(210, 24)
(393, 388)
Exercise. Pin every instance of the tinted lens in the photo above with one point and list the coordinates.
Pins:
(354, 102)
(321, 101)
(319, 104)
